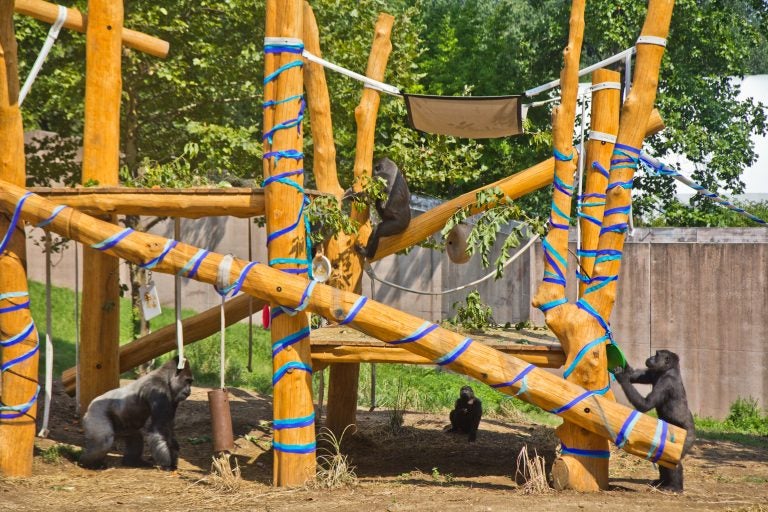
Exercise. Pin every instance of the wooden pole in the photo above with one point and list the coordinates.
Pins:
(19, 381)
(100, 322)
(294, 446)
(47, 12)
(479, 361)
(570, 470)
(344, 378)
(163, 340)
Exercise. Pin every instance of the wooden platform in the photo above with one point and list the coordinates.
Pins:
(346, 345)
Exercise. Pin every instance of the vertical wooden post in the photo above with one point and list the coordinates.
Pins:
(19, 381)
(570, 470)
(343, 379)
(294, 444)
(99, 321)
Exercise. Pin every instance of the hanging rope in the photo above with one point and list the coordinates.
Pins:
(177, 302)
(369, 270)
(48, 342)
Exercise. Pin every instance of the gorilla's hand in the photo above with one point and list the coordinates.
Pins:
(622, 374)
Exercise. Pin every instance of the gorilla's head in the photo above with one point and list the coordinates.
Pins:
(180, 380)
(467, 394)
(662, 361)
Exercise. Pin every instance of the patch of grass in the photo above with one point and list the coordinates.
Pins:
(745, 424)
(54, 454)
(333, 468)
(531, 472)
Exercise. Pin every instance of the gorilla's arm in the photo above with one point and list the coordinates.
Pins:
(640, 376)
(477, 413)
(656, 397)
(160, 438)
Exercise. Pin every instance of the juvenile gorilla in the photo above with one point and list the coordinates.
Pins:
(465, 416)
(148, 403)
(394, 211)
(668, 398)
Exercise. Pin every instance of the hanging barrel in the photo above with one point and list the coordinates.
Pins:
(221, 421)
(456, 243)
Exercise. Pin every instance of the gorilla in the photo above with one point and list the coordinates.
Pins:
(668, 398)
(394, 210)
(465, 416)
(147, 404)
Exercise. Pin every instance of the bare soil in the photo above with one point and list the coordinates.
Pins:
(420, 468)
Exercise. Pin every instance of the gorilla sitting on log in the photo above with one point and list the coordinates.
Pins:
(394, 211)
(668, 398)
(465, 416)
(148, 403)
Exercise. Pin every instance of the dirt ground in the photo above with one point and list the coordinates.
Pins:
(421, 468)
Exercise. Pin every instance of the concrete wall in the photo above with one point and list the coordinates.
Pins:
(702, 293)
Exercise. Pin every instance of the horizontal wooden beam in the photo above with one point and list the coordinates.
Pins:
(47, 12)
(163, 340)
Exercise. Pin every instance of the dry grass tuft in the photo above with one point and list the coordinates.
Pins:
(223, 476)
(333, 468)
(531, 471)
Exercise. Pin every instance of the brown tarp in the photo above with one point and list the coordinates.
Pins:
(482, 117)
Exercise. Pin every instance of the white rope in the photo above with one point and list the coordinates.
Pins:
(77, 327)
(372, 274)
(177, 301)
(369, 82)
(48, 342)
(627, 77)
(582, 159)
(250, 298)
(222, 282)
(53, 33)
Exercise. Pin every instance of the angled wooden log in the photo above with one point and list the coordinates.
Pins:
(343, 379)
(19, 379)
(506, 373)
(47, 12)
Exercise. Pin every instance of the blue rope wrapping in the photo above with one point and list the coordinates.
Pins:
(455, 353)
(562, 157)
(581, 397)
(626, 429)
(295, 448)
(599, 168)
(356, 307)
(112, 241)
(19, 410)
(602, 281)
(169, 244)
(193, 264)
(419, 333)
(586, 306)
(549, 252)
(528, 369)
(552, 304)
(276, 73)
(291, 365)
(14, 221)
(284, 48)
(295, 122)
(303, 302)
(659, 441)
(580, 354)
(272, 103)
(304, 421)
(235, 287)
(56, 211)
(597, 454)
(289, 340)
(15, 307)
(562, 186)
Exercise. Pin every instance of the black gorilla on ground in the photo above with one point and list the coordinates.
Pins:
(147, 404)
(465, 416)
(668, 398)
(394, 211)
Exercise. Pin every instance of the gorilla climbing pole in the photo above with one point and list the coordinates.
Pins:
(18, 406)
(638, 434)
(287, 242)
(583, 327)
